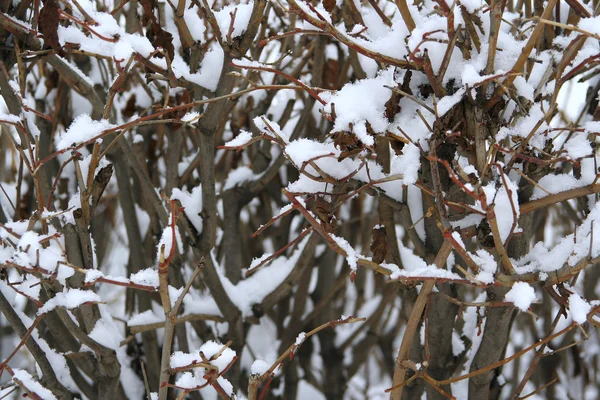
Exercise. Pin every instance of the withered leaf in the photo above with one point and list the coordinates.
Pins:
(129, 109)
(322, 209)
(484, 235)
(397, 146)
(348, 143)
(48, 24)
(331, 73)
(162, 38)
(379, 244)
(329, 5)
(148, 11)
(329, 226)
(52, 78)
(392, 106)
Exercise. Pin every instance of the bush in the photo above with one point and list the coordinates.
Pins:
(299, 200)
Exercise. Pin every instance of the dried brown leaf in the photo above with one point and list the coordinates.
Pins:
(348, 143)
(329, 5)
(321, 209)
(164, 40)
(130, 108)
(379, 244)
(148, 11)
(331, 73)
(48, 24)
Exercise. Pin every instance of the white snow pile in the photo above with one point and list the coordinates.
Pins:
(521, 295)
(192, 203)
(70, 298)
(579, 308)
(29, 254)
(24, 379)
(81, 130)
(216, 354)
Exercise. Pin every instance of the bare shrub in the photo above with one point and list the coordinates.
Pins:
(299, 200)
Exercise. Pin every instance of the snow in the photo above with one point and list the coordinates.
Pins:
(271, 128)
(126, 45)
(194, 23)
(567, 250)
(180, 359)
(238, 176)
(191, 116)
(243, 12)
(164, 246)
(106, 333)
(303, 150)
(259, 367)
(578, 146)
(407, 165)
(503, 205)
(472, 5)
(521, 295)
(31, 286)
(22, 377)
(351, 254)
(70, 298)
(7, 118)
(210, 70)
(257, 261)
(579, 308)
(300, 339)
(192, 203)
(487, 264)
(446, 103)
(416, 267)
(145, 318)
(555, 184)
(253, 290)
(147, 277)
(308, 391)
(591, 25)
(523, 88)
(361, 102)
(82, 129)
(458, 346)
(240, 140)
(359, 110)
